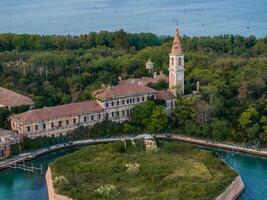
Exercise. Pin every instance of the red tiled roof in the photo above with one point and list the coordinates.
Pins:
(48, 113)
(124, 88)
(147, 80)
(164, 95)
(13, 99)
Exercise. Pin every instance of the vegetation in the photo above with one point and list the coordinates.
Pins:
(111, 171)
(232, 71)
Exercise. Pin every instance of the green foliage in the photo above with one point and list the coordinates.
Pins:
(28, 144)
(176, 171)
(248, 117)
(232, 72)
(161, 85)
(159, 120)
(103, 129)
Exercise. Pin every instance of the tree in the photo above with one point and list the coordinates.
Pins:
(219, 129)
(248, 117)
(142, 113)
(120, 40)
(159, 120)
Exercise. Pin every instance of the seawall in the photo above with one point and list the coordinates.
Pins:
(233, 191)
(52, 195)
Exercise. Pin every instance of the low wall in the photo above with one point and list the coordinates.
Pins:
(233, 191)
(50, 189)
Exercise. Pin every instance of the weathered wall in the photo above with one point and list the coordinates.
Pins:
(50, 189)
(233, 191)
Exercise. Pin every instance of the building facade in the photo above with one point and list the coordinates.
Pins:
(113, 103)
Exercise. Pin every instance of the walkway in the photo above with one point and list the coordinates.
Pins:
(230, 147)
(31, 155)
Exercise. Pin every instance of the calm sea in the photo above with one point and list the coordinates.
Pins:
(195, 17)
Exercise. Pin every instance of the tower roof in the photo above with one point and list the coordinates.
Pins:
(176, 45)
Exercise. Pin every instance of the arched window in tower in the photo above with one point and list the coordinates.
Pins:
(180, 61)
(172, 61)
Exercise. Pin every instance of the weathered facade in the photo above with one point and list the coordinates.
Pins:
(113, 103)
(7, 138)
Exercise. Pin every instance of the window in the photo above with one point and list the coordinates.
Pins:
(118, 113)
(180, 61)
(133, 100)
(137, 99)
(130, 100)
(143, 98)
(74, 121)
(60, 123)
(123, 101)
(123, 113)
(112, 114)
(128, 113)
(36, 127)
(127, 101)
(67, 122)
(44, 126)
(29, 128)
(99, 116)
(84, 119)
(107, 104)
(171, 104)
(107, 115)
(52, 124)
(112, 103)
(92, 117)
(118, 103)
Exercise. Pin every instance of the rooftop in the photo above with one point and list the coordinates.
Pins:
(146, 80)
(12, 99)
(165, 95)
(124, 88)
(48, 113)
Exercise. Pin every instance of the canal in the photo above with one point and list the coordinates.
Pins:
(16, 184)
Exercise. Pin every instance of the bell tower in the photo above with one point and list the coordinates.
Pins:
(176, 67)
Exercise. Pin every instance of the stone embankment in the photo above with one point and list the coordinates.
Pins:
(233, 191)
(223, 146)
(52, 195)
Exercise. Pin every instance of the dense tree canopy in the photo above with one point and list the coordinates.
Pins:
(231, 69)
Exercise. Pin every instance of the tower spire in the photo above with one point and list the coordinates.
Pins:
(176, 45)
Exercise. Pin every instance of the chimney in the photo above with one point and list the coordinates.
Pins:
(155, 74)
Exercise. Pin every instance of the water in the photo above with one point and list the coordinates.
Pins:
(16, 184)
(195, 17)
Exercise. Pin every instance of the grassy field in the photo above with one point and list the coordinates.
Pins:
(176, 171)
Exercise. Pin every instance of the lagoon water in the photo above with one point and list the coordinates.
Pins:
(16, 184)
(195, 17)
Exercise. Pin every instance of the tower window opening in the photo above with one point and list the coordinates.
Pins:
(180, 61)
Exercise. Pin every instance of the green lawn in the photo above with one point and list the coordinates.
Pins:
(175, 171)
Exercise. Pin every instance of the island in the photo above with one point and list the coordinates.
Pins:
(140, 169)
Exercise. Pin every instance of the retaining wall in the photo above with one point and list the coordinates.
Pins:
(50, 188)
(233, 191)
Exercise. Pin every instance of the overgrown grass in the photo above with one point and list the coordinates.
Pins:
(176, 171)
